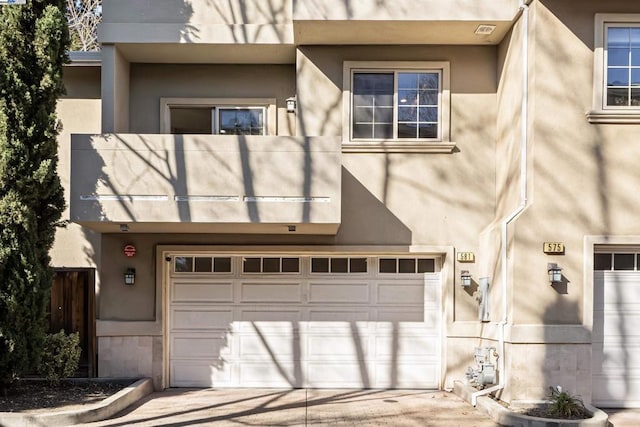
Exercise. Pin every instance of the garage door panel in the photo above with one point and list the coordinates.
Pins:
(191, 318)
(621, 324)
(266, 327)
(337, 328)
(343, 293)
(616, 339)
(432, 296)
(407, 346)
(621, 286)
(614, 392)
(305, 329)
(340, 374)
(200, 374)
(406, 375)
(202, 291)
(331, 316)
(270, 374)
(407, 315)
(198, 346)
(620, 358)
(270, 315)
(402, 327)
(284, 346)
(271, 292)
(399, 293)
(331, 347)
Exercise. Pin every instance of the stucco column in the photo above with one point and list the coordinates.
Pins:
(115, 91)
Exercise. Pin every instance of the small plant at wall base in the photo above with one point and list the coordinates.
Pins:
(560, 405)
(60, 356)
(563, 404)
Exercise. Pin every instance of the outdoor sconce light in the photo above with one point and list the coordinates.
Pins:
(465, 278)
(291, 104)
(555, 273)
(130, 276)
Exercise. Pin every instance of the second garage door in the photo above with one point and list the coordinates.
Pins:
(305, 321)
(616, 338)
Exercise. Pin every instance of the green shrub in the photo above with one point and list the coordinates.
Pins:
(60, 356)
(565, 405)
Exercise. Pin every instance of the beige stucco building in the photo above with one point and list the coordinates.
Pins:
(306, 182)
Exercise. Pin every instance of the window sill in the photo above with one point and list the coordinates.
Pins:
(394, 147)
(614, 116)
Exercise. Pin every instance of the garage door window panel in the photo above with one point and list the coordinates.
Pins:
(339, 265)
(203, 265)
(183, 264)
(616, 261)
(406, 265)
(271, 265)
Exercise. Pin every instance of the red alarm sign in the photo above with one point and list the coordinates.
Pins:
(129, 250)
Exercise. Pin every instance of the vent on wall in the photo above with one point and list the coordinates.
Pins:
(485, 29)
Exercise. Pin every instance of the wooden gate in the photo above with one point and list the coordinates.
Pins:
(72, 309)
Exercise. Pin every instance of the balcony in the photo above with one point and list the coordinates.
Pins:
(200, 31)
(206, 183)
(401, 21)
(267, 31)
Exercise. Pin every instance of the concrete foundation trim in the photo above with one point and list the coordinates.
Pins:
(94, 412)
(505, 417)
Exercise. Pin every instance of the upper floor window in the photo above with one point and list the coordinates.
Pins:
(616, 85)
(218, 116)
(623, 65)
(396, 104)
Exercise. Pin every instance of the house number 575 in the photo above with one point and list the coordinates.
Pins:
(553, 248)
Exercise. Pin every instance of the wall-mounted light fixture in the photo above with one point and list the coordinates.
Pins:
(465, 278)
(130, 276)
(291, 104)
(555, 273)
(124, 227)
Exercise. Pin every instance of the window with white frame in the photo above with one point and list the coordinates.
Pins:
(616, 69)
(623, 65)
(405, 102)
(218, 116)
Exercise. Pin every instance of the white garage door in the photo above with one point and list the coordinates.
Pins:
(305, 321)
(616, 335)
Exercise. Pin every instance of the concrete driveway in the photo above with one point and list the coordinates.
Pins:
(270, 407)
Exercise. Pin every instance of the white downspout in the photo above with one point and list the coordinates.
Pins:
(524, 114)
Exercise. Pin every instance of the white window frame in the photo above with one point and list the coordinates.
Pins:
(601, 112)
(439, 145)
(267, 104)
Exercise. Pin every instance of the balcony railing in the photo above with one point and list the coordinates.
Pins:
(206, 183)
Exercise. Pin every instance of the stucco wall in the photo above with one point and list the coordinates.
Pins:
(198, 11)
(579, 184)
(582, 173)
(439, 199)
(78, 112)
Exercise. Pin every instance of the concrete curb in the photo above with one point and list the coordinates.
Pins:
(505, 417)
(93, 412)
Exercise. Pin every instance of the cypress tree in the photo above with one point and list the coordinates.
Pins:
(33, 42)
